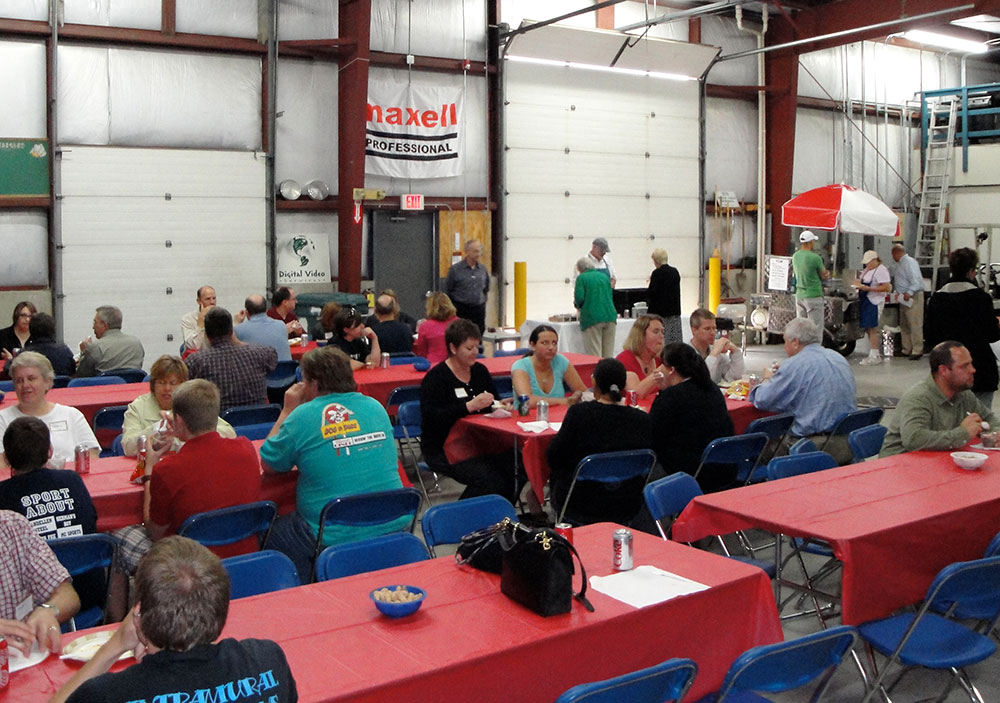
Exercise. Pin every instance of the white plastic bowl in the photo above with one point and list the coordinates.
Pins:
(969, 460)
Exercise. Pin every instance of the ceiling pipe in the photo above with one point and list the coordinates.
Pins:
(684, 14)
(847, 32)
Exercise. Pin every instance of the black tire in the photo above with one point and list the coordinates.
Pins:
(844, 348)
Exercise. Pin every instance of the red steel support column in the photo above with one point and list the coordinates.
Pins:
(352, 89)
(782, 71)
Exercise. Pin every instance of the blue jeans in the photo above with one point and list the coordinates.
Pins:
(292, 536)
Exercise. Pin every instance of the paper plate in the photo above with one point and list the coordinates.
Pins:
(980, 447)
(18, 661)
(83, 649)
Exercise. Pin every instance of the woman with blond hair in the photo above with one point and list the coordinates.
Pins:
(430, 342)
(664, 296)
(641, 355)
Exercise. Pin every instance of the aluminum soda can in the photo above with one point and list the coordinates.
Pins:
(542, 411)
(622, 555)
(565, 530)
(4, 664)
(385, 361)
(631, 399)
(753, 382)
(523, 405)
(81, 459)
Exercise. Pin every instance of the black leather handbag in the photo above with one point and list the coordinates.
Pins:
(537, 570)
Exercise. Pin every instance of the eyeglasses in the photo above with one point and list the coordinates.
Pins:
(24, 314)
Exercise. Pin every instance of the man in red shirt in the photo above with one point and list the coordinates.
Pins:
(207, 473)
(283, 308)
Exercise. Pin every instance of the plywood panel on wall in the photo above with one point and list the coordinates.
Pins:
(455, 227)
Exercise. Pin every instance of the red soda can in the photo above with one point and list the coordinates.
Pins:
(4, 665)
(631, 399)
(564, 529)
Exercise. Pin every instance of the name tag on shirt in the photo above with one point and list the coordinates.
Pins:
(24, 608)
(59, 426)
(461, 393)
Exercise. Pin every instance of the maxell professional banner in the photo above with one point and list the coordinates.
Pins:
(413, 131)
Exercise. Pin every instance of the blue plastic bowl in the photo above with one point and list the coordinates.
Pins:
(321, 342)
(399, 610)
(421, 364)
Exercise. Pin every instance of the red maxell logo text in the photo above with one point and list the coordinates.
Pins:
(446, 117)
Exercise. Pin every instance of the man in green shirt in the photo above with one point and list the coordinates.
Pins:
(809, 276)
(940, 412)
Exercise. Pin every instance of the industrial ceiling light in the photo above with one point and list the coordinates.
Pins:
(945, 41)
(606, 69)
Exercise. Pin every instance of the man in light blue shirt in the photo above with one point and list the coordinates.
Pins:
(261, 329)
(814, 384)
(907, 279)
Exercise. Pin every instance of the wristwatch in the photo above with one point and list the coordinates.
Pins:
(53, 608)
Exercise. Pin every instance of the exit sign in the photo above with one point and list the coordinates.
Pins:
(413, 201)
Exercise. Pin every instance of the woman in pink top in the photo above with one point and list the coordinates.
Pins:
(641, 355)
(430, 342)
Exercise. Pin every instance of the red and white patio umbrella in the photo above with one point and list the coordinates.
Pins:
(840, 207)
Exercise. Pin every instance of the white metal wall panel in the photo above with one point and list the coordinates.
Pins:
(22, 89)
(227, 18)
(306, 145)
(449, 28)
(117, 221)
(631, 172)
(307, 19)
(27, 233)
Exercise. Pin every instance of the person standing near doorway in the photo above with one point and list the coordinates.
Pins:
(467, 285)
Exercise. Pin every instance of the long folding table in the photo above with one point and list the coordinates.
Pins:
(477, 434)
(893, 522)
(468, 641)
(89, 399)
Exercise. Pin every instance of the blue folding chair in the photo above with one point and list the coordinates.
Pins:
(850, 421)
(254, 432)
(252, 414)
(406, 431)
(403, 360)
(742, 451)
(971, 609)
(609, 468)
(116, 447)
(7, 386)
(394, 355)
(448, 523)
(215, 528)
(82, 554)
(993, 549)
(95, 381)
(259, 572)
(382, 509)
(803, 446)
(866, 441)
(283, 375)
(667, 497)
(401, 394)
(131, 375)
(521, 351)
(372, 554)
(668, 681)
(785, 666)
(108, 424)
(504, 386)
(776, 427)
(931, 640)
(796, 464)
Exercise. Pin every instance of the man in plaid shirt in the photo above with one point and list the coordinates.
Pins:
(36, 593)
(239, 370)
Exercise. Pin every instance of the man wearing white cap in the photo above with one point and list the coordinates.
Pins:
(809, 276)
(873, 284)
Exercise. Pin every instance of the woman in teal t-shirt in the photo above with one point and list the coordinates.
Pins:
(545, 373)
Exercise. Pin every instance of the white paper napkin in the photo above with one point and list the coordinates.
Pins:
(538, 427)
(644, 585)
(498, 414)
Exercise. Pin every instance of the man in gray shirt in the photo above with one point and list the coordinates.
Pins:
(112, 349)
(940, 412)
(468, 283)
(261, 329)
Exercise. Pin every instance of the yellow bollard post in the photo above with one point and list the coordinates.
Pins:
(714, 280)
(520, 293)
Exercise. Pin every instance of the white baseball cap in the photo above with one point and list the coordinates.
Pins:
(808, 236)
(868, 256)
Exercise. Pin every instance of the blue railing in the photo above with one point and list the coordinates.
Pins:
(978, 115)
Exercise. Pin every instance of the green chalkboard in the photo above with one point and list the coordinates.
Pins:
(24, 167)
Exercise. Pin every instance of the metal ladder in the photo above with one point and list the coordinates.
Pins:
(932, 237)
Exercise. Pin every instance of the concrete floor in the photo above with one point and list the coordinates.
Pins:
(887, 380)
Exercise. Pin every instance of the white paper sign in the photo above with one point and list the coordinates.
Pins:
(778, 268)
(413, 131)
(303, 258)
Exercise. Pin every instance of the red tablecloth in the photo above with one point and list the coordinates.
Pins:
(89, 399)
(379, 383)
(470, 641)
(894, 522)
(475, 435)
(119, 502)
(298, 351)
